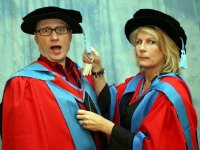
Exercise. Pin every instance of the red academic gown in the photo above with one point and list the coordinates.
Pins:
(161, 126)
(32, 119)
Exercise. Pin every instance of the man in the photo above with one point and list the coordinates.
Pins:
(40, 101)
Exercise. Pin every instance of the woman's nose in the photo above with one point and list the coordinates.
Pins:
(142, 47)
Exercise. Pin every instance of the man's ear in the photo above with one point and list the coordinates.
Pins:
(70, 37)
(35, 38)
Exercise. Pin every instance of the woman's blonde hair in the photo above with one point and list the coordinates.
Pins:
(167, 45)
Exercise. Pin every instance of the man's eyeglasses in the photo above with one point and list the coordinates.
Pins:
(59, 30)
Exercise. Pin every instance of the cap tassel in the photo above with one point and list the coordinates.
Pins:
(88, 67)
(183, 60)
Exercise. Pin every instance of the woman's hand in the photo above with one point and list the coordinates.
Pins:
(93, 59)
(94, 122)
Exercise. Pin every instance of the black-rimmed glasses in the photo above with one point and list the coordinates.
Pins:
(59, 30)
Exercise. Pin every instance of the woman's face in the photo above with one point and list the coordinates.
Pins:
(148, 53)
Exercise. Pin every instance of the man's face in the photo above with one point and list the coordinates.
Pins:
(54, 46)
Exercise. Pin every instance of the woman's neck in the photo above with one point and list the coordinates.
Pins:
(149, 76)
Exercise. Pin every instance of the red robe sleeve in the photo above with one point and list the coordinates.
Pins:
(31, 117)
(162, 124)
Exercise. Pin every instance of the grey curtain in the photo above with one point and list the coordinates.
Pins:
(103, 21)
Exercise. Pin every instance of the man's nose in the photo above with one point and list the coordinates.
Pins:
(54, 35)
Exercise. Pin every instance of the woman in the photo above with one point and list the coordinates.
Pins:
(153, 109)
